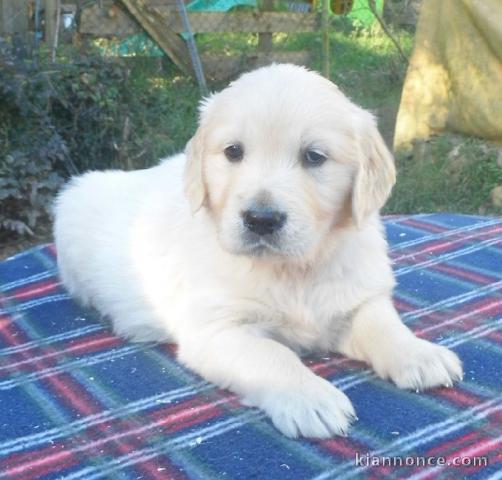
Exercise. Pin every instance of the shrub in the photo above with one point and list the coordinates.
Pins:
(61, 119)
(32, 152)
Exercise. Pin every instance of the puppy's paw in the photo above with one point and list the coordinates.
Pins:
(422, 364)
(314, 409)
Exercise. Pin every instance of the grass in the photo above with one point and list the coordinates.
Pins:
(171, 118)
(448, 173)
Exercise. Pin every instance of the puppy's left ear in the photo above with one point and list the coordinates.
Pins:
(376, 172)
(195, 188)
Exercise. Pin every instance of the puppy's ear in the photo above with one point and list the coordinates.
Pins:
(195, 188)
(376, 172)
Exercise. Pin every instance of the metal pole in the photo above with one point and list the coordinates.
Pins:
(325, 38)
(192, 48)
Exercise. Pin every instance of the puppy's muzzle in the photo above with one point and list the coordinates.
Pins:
(263, 221)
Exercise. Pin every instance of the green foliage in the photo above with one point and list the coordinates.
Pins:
(88, 113)
(32, 153)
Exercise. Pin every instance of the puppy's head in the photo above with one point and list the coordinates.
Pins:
(280, 158)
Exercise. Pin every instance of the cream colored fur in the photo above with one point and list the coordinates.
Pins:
(161, 251)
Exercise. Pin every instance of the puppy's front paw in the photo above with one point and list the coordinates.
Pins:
(314, 409)
(422, 364)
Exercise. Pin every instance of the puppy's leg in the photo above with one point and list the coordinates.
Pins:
(378, 337)
(270, 376)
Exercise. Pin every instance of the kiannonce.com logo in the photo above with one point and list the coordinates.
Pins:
(368, 460)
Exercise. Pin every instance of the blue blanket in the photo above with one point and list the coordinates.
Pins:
(77, 402)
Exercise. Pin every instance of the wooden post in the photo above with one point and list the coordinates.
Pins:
(50, 7)
(265, 39)
(325, 38)
(2, 26)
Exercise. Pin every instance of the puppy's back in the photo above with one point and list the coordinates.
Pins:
(94, 214)
(88, 213)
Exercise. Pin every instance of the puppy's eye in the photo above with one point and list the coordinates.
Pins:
(234, 153)
(313, 158)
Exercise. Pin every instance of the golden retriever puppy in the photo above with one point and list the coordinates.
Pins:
(263, 239)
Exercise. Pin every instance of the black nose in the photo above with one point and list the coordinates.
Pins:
(263, 221)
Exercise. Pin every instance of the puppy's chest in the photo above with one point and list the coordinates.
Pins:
(308, 315)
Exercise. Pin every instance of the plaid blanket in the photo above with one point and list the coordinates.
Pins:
(77, 402)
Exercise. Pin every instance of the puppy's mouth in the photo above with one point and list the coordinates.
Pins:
(261, 246)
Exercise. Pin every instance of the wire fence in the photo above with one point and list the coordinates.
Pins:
(201, 37)
(229, 35)
(211, 39)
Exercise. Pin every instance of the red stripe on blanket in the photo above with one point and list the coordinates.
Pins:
(34, 290)
(27, 361)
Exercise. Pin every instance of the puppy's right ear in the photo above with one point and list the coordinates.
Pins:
(195, 188)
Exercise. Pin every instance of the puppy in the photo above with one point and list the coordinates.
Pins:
(262, 240)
